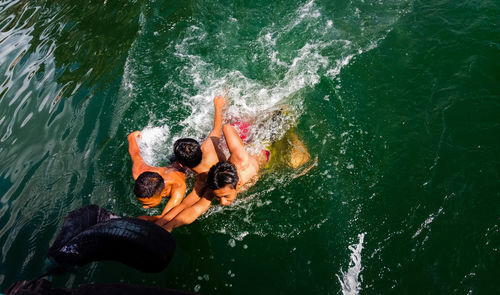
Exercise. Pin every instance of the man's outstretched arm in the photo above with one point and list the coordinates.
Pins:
(210, 146)
(219, 103)
(138, 164)
(176, 195)
(234, 143)
(188, 215)
(191, 198)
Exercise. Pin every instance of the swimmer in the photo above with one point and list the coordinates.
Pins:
(225, 179)
(199, 158)
(152, 184)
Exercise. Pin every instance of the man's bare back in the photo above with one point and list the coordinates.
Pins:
(174, 179)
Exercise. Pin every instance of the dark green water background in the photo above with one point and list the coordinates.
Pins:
(399, 100)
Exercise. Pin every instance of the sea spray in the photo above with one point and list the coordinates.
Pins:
(152, 142)
(350, 280)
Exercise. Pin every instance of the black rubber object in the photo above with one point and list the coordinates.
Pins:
(94, 234)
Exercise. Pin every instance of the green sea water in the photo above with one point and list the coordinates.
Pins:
(398, 99)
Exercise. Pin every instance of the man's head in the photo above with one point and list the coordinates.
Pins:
(188, 152)
(148, 189)
(223, 179)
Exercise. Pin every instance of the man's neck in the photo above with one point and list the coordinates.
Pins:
(199, 169)
(176, 166)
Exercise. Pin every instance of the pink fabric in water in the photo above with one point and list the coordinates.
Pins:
(243, 129)
(268, 155)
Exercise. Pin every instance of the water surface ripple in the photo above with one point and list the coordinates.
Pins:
(398, 99)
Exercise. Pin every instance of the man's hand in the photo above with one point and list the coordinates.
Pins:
(219, 101)
(135, 134)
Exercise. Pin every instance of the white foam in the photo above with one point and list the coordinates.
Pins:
(152, 144)
(350, 280)
(308, 10)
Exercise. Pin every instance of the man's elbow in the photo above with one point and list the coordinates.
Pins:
(214, 133)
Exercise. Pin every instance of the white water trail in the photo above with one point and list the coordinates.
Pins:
(350, 280)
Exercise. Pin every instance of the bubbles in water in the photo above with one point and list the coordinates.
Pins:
(197, 288)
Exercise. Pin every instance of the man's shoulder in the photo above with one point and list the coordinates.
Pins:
(174, 174)
(244, 161)
(209, 158)
(207, 145)
(175, 180)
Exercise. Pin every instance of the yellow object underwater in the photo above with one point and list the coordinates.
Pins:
(289, 150)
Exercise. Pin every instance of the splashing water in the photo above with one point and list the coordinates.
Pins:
(284, 59)
(295, 64)
(350, 281)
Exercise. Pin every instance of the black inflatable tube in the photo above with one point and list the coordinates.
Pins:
(79, 220)
(94, 234)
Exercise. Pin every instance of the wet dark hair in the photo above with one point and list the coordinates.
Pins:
(222, 174)
(188, 152)
(148, 184)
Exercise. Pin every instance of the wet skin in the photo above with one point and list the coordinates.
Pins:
(225, 195)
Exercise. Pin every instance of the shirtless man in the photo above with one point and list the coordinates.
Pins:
(152, 184)
(199, 158)
(240, 172)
